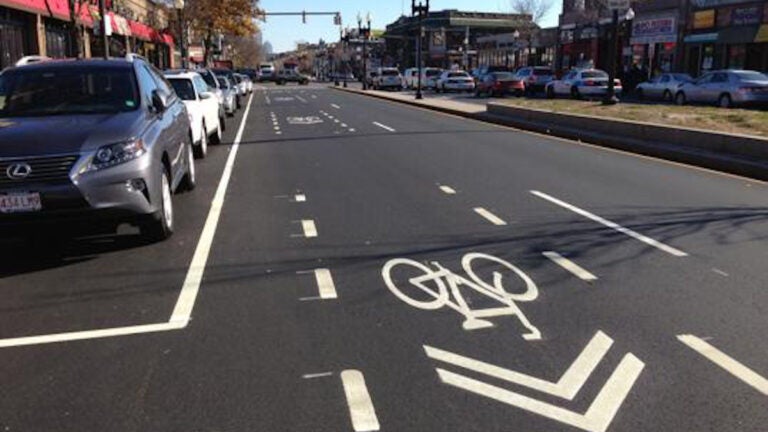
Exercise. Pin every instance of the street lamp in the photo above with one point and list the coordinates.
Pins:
(179, 6)
(364, 32)
(515, 38)
(420, 11)
(344, 54)
(610, 95)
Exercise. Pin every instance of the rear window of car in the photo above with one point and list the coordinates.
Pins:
(751, 76)
(184, 88)
(594, 74)
(390, 72)
(69, 90)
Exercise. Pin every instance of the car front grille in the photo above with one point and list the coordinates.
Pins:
(48, 169)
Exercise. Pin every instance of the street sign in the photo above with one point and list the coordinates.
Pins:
(618, 4)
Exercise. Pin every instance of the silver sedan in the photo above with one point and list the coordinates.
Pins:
(663, 86)
(726, 88)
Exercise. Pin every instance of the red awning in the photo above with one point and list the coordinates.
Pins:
(141, 31)
(56, 8)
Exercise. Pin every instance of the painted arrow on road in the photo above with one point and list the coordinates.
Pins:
(598, 416)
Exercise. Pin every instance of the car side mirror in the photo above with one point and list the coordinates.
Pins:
(159, 101)
(206, 95)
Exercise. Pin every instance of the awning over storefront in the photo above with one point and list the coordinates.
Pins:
(56, 8)
(737, 35)
(701, 38)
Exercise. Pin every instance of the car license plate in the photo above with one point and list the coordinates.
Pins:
(20, 202)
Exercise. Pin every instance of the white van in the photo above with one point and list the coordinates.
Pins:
(266, 72)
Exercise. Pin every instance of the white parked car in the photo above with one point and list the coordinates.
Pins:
(229, 95)
(455, 81)
(429, 76)
(663, 87)
(202, 108)
(387, 78)
(581, 82)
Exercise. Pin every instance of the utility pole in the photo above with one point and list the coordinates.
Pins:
(420, 11)
(104, 36)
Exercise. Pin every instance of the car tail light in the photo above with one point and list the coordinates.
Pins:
(617, 82)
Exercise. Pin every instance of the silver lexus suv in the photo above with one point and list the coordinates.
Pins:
(92, 140)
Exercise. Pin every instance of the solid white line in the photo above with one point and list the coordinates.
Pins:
(447, 189)
(335, 106)
(492, 218)
(571, 266)
(731, 365)
(317, 375)
(91, 334)
(359, 400)
(616, 227)
(325, 284)
(308, 225)
(188, 295)
(300, 198)
(385, 127)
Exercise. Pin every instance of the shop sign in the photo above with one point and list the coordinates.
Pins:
(566, 36)
(588, 33)
(747, 15)
(437, 42)
(656, 30)
(704, 19)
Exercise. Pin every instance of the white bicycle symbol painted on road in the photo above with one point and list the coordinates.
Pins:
(433, 282)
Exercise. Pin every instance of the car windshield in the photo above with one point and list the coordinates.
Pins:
(390, 72)
(67, 90)
(751, 76)
(209, 79)
(184, 88)
(594, 74)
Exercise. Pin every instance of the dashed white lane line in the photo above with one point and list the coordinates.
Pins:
(344, 125)
(385, 127)
(301, 98)
(325, 285)
(361, 409)
(720, 272)
(731, 365)
(571, 266)
(269, 101)
(492, 218)
(300, 198)
(314, 96)
(310, 230)
(335, 106)
(448, 190)
(616, 227)
(184, 304)
(317, 375)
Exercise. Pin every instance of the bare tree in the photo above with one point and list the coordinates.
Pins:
(537, 9)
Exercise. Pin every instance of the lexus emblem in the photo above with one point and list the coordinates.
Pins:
(18, 171)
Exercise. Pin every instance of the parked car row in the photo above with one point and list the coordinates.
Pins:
(126, 139)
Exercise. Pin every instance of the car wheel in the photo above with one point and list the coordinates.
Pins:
(237, 102)
(223, 122)
(575, 93)
(550, 93)
(159, 226)
(201, 150)
(680, 99)
(668, 95)
(217, 135)
(725, 101)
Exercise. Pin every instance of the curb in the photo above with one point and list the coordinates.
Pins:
(735, 154)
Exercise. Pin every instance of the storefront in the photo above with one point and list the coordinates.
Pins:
(654, 41)
(579, 47)
(17, 29)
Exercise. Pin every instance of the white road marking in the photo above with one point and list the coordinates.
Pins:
(571, 266)
(278, 133)
(343, 125)
(616, 227)
(310, 230)
(448, 190)
(336, 121)
(492, 218)
(385, 127)
(304, 299)
(720, 272)
(325, 285)
(188, 294)
(300, 198)
(269, 101)
(301, 99)
(361, 409)
(335, 106)
(731, 365)
(277, 128)
(317, 375)
(351, 130)
(314, 96)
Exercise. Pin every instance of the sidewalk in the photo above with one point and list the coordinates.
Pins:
(448, 106)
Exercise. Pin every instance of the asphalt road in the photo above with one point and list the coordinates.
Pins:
(350, 264)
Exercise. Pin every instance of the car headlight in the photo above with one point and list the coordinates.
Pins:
(116, 154)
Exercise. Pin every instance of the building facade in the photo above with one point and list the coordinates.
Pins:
(43, 27)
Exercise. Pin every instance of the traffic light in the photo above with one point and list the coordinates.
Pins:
(304, 17)
(337, 19)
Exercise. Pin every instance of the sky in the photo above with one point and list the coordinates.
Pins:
(283, 32)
